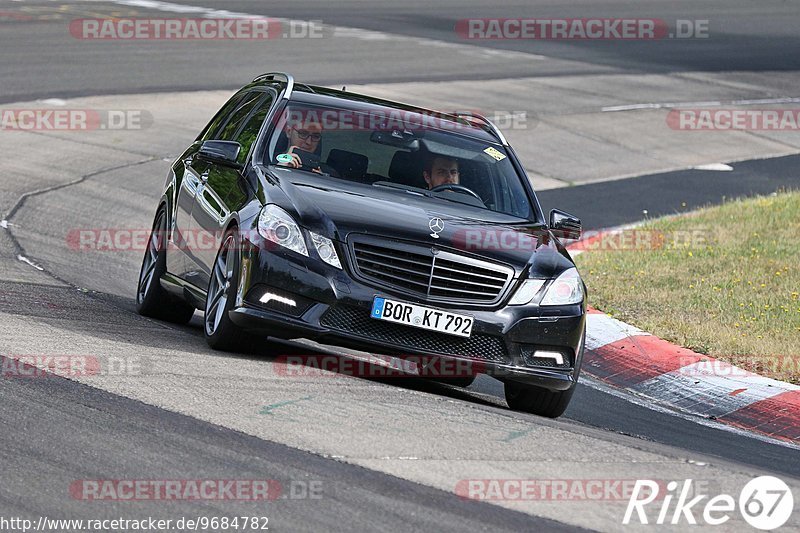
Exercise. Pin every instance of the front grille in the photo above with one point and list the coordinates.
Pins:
(452, 278)
(411, 271)
(357, 321)
(441, 276)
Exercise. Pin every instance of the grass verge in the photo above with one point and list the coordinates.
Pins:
(723, 281)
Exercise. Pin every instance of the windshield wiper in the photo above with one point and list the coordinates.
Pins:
(454, 198)
(428, 194)
(403, 187)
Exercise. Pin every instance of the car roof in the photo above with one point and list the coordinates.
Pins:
(328, 97)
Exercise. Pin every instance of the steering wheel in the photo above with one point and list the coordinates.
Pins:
(456, 188)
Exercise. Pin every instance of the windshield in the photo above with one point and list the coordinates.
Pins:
(403, 151)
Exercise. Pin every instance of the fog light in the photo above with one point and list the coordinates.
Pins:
(268, 297)
(277, 300)
(558, 357)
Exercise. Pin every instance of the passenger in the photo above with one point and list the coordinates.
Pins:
(303, 135)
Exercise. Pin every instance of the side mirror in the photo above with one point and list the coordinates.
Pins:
(565, 226)
(222, 152)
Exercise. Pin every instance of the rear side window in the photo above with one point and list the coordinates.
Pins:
(222, 116)
(238, 117)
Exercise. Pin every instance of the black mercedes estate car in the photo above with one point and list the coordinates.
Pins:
(306, 212)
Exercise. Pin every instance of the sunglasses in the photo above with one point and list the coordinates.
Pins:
(305, 135)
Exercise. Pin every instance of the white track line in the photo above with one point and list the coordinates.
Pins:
(717, 167)
(338, 31)
(29, 262)
(669, 105)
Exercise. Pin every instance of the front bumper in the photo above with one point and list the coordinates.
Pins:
(332, 308)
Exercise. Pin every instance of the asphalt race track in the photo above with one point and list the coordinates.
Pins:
(748, 37)
(385, 454)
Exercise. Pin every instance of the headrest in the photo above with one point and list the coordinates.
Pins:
(406, 168)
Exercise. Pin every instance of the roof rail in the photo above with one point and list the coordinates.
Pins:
(492, 128)
(309, 88)
(279, 76)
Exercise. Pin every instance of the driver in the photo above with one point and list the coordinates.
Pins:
(302, 135)
(440, 170)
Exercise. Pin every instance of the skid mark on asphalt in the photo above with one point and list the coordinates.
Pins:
(268, 409)
(517, 434)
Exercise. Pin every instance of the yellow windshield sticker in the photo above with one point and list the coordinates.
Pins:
(494, 153)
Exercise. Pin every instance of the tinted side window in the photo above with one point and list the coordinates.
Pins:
(221, 116)
(248, 103)
(248, 133)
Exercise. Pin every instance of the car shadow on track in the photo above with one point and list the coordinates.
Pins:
(114, 319)
(311, 361)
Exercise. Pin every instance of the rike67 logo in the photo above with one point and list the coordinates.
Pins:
(765, 503)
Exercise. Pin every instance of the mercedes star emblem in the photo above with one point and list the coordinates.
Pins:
(436, 225)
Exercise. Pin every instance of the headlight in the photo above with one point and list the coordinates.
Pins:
(326, 250)
(566, 289)
(276, 225)
(526, 292)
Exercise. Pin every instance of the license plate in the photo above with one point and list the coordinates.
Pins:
(421, 317)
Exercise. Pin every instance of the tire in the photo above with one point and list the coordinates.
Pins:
(537, 400)
(541, 401)
(151, 299)
(220, 332)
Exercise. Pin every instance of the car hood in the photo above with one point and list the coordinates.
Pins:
(337, 209)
